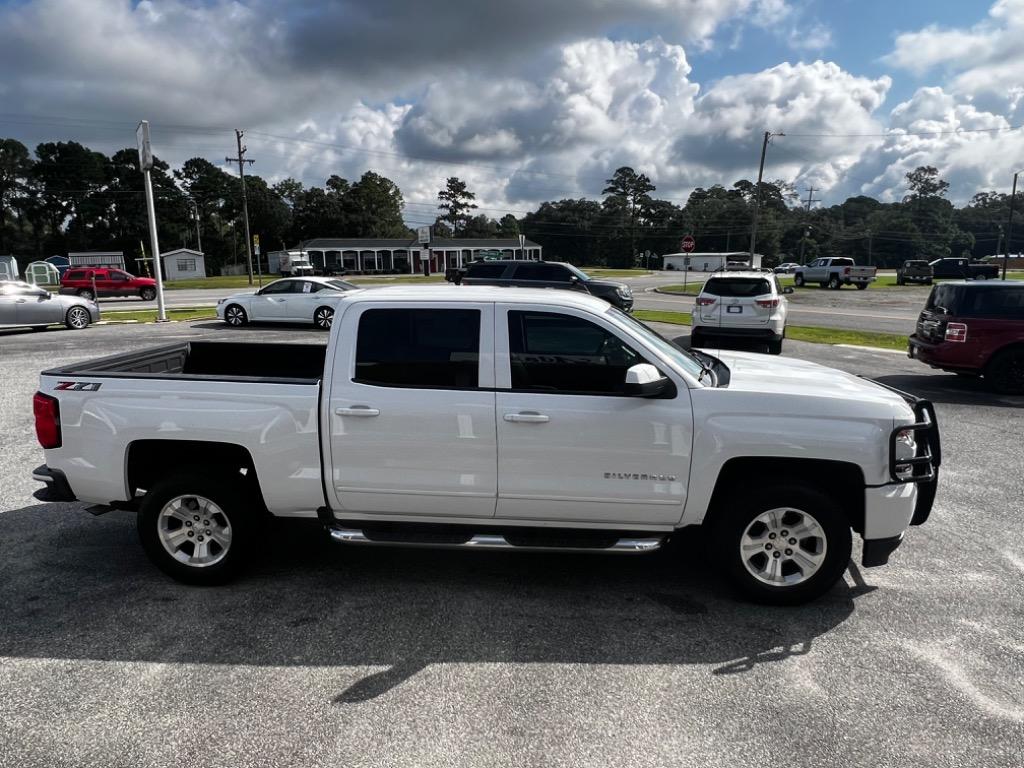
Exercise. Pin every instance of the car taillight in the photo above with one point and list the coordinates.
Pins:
(956, 332)
(705, 301)
(767, 303)
(846, 270)
(47, 413)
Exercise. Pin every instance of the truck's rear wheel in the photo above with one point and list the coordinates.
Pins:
(197, 530)
(834, 283)
(861, 286)
(785, 545)
(798, 280)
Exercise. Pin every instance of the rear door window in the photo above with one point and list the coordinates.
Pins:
(486, 270)
(742, 287)
(551, 273)
(431, 348)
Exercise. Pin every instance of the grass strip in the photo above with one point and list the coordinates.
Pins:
(812, 333)
(149, 315)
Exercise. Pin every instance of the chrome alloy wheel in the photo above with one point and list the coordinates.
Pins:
(194, 531)
(234, 315)
(783, 547)
(78, 318)
(323, 318)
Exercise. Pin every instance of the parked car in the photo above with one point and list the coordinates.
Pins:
(745, 305)
(786, 268)
(915, 271)
(79, 281)
(835, 272)
(28, 305)
(291, 300)
(546, 274)
(974, 329)
(963, 269)
(611, 439)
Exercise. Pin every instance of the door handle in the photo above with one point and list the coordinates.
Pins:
(527, 417)
(358, 410)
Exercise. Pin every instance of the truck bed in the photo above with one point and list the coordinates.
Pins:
(206, 360)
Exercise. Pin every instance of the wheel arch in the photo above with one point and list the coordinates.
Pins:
(825, 475)
(147, 461)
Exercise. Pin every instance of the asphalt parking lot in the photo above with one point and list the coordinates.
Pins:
(330, 656)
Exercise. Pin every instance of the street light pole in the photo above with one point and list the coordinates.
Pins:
(1009, 225)
(757, 194)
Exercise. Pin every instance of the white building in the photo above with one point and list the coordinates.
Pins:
(707, 262)
(405, 255)
(183, 263)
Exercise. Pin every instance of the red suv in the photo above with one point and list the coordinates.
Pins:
(974, 328)
(109, 282)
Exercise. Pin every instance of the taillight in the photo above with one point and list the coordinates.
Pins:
(705, 301)
(767, 303)
(47, 413)
(846, 270)
(956, 332)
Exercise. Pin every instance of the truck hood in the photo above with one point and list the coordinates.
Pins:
(785, 376)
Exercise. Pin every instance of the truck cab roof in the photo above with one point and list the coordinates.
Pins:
(480, 293)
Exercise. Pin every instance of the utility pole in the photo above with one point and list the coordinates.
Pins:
(146, 165)
(195, 215)
(241, 160)
(1009, 225)
(757, 194)
(803, 240)
(999, 240)
(869, 248)
(810, 198)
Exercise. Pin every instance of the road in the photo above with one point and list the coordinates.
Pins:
(889, 310)
(329, 656)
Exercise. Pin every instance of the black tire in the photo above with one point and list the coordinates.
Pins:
(775, 347)
(1005, 371)
(834, 283)
(148, 294)
(235, 517)
(862, 286)
(798, 280)
(900, 280)
(739, 515)
(77, 318)
(235, 316)
(86, 293)
(323, 318)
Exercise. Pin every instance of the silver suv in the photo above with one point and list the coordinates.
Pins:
(747, 305)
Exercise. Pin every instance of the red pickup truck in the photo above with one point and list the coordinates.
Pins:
(108, 281)
(974, 329)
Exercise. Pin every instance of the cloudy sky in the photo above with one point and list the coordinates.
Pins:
(531, 100)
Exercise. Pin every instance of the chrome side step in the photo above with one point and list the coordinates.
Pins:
(624, 546)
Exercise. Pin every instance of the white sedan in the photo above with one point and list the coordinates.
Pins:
(291, 300)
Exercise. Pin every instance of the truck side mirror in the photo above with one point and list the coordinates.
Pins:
(644, 380)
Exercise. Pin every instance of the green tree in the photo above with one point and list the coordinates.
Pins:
(374, 207)
(508, 226)
(456, 202)
(15, 170)
(924, 181)
(628, 194)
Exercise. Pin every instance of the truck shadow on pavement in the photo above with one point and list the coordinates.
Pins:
(77, 587)
(951, 389)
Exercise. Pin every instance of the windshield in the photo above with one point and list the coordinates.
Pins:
(679, 356)
(578, 272)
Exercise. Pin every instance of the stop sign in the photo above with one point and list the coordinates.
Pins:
(688, 244)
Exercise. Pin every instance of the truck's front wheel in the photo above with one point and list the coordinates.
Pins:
(798, 280)
(196, 530)
(784, 546)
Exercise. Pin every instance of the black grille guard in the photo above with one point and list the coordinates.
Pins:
(924, 466)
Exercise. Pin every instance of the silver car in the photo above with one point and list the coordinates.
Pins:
(28, 305)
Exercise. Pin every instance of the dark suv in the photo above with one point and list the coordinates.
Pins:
(546, 274)
(975, 329)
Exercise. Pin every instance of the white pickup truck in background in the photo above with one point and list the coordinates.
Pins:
(492, 418)
(835, 272)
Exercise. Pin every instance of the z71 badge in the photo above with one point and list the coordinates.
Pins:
(77, 386)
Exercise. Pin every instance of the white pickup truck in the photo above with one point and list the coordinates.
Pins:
(491, 418)
(835, 272)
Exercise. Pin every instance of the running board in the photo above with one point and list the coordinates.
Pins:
(623, 546)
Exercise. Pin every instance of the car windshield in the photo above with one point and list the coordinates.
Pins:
(737, 286)
(679, 356)
(578, 272)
